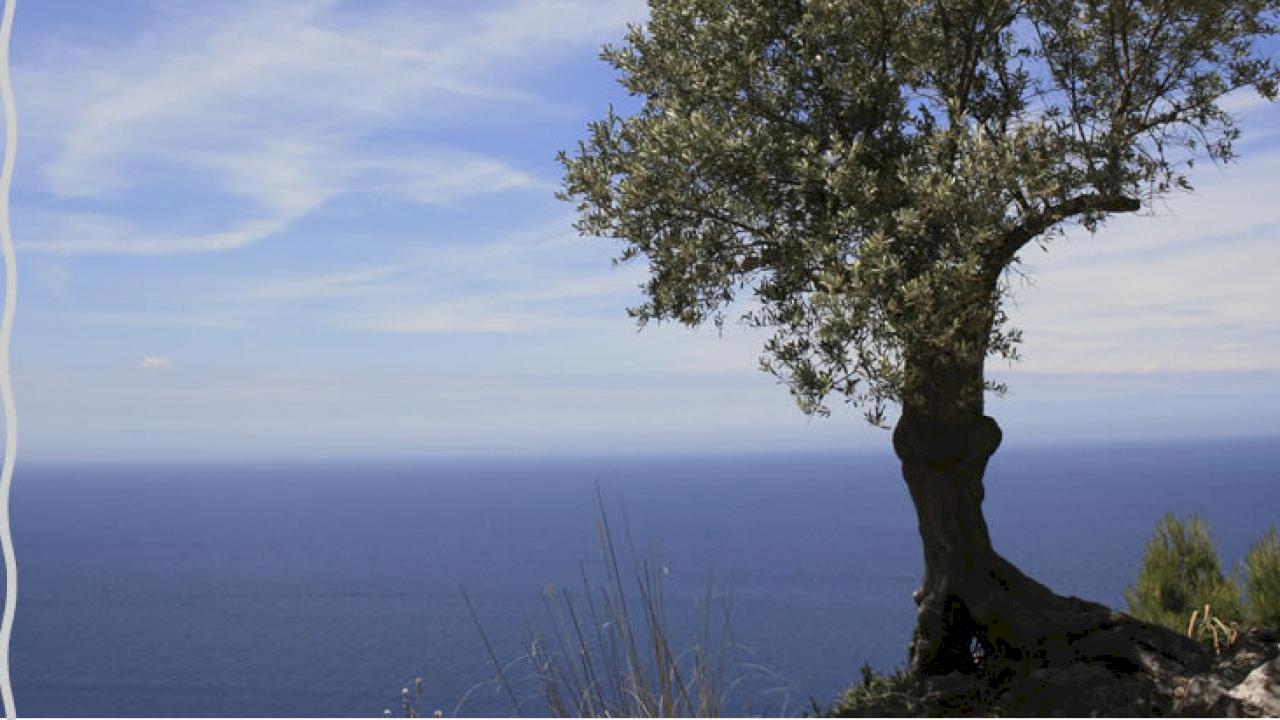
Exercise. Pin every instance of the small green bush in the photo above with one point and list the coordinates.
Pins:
(1262, 580)
(1181, 573)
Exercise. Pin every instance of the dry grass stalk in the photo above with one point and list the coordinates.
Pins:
(606, 650)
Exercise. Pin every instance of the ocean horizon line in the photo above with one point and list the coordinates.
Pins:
(518, 455)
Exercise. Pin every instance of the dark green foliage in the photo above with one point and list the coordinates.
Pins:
(1262, 581)
(1180, 574)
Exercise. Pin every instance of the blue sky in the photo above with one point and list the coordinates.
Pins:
(328, 228)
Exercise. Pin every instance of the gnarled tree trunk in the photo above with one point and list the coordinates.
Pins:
(973, 603)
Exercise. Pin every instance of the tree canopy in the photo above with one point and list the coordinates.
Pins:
(860, 176)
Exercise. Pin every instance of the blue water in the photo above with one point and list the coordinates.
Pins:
(321, 589)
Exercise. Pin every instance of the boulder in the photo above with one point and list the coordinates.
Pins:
(1259, 693)
(1243, 682)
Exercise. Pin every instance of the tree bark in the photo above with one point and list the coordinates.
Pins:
(943, 464)
(977, 611)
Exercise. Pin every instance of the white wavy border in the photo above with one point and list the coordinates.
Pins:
(6, 333)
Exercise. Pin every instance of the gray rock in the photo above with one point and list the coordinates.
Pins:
(1244, 682)
(1206, 696)
(1259, 694)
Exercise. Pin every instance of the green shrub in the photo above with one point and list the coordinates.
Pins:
(1262, 580)
(1181, 573)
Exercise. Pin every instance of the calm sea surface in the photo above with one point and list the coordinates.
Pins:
(321, 589)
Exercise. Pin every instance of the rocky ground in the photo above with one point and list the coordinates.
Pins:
(1243, 681)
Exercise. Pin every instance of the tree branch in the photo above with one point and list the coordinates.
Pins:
(1036, 223)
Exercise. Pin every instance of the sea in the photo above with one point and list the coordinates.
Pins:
(322, 588)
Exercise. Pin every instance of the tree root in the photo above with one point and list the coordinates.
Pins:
(1015, 638)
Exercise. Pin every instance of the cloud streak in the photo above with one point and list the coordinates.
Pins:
(279, 104)
(536, 308)
(1188, 290)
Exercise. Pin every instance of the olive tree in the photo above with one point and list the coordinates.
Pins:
(861, 178)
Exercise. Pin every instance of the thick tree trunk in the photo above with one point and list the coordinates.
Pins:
(976, 610)
(943, 464)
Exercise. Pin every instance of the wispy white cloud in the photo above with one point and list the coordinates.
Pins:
(53, 276)
(446, 284)
(155, 362)
(1228, 200)
(101, 234)
(152, 318)
(277, 102)
(354, 282)
(544, 307)
(286, 115)
(1190, 289)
